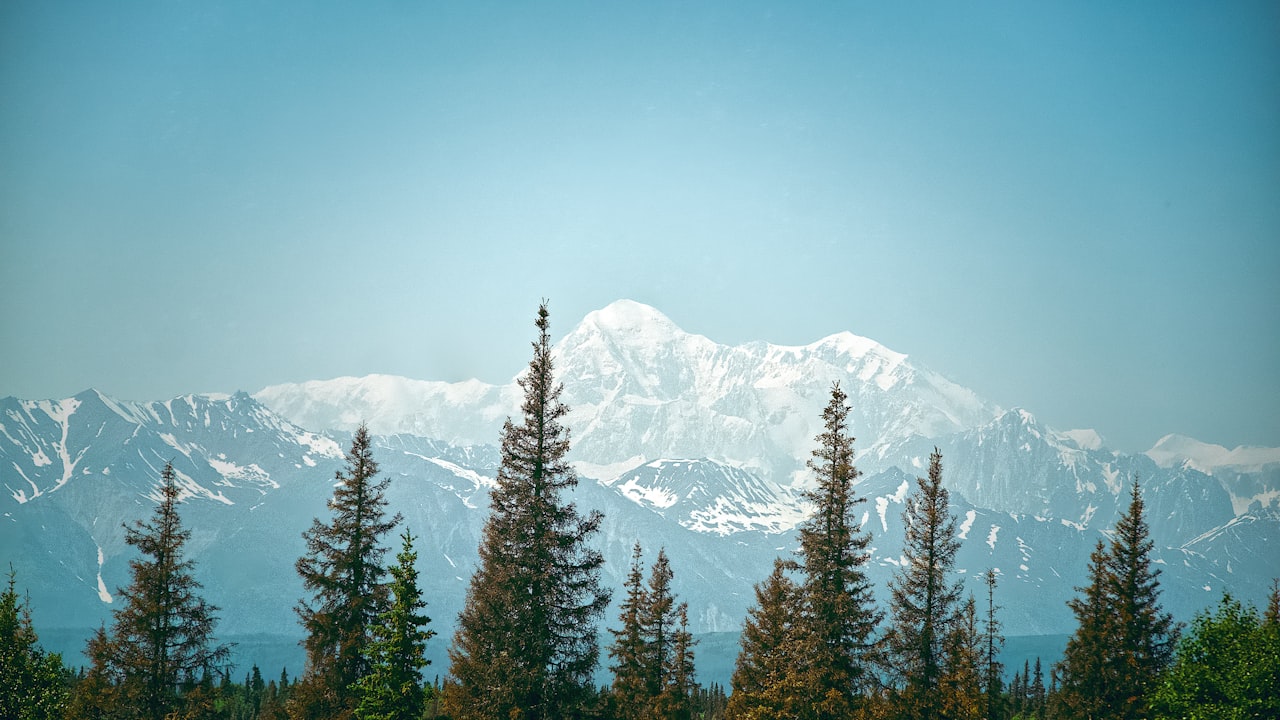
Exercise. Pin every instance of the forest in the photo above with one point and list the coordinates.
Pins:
(815, 645)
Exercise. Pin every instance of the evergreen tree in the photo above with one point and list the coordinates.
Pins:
(1124, 640)
(1227, 666)
(526, 642)
(162, 638)
(962, 682)
(924, 601)
(393, 688)
(630, 687)
(764, 682)
(993, 684)
(1147, 635)
(1036, 692)
(839, 615)
(1086, 679)
(342, 568)
(95, 693)
(653, 651)
(32, 683)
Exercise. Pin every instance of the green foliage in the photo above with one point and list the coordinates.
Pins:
(343, 570)
(393, 688)
(1123, 639)
(32, 682)
(161, 646)
(764, 682)
(526, 643)
(925, 602)
(838, 618)
(1227, 666)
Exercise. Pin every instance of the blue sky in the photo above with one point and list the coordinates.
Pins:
(1074, 207)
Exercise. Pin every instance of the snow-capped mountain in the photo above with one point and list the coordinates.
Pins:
(682, 442)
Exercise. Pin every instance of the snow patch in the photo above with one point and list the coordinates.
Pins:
(103, 595)
(991, 536)
(968, 523)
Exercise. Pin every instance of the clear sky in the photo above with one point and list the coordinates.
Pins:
(1070, 207)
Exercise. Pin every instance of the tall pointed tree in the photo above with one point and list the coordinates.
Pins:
(162, 638)
(31, 680)
(1124, 639)
(961, 686)
(628, 651)
(839, 616)
(1147, 633)
(924, 599)
(343, 569)
(526, 643)
(993, 639)
(764, 680)
(393, 689)
(1086, 676)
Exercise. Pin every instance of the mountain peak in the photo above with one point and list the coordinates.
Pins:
(631, 317)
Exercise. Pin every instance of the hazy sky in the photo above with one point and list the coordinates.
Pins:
(1073, 208)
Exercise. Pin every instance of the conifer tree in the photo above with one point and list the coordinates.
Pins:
(1086, 678)
(342, 568)
(993, 684)
(393, 689)
(161, 640)
(526, 642)
(924, 600)
(764, 681)
(961, 684)
(630, 688)
(95, 694)
(31, 680)
(1147, 634)
(1123, 640)
(839, 616)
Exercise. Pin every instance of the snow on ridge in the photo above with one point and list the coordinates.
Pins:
(1173, 450)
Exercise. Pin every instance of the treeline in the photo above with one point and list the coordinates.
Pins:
(815, 645)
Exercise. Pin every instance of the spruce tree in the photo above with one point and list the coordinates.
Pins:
(839, 616)
(526, 642)
(32, 683)
(393, 689)
(924, 600)
(629, 691)
(342, 568)
(161, 641)
(993, 683)
(764, 683)
(1124, 639)
(1147, 634)
(95, 696)
(1086, 676)
(962, 682)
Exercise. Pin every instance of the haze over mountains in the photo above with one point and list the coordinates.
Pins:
(682, 442)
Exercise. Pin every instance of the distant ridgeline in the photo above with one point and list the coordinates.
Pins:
(681, 444)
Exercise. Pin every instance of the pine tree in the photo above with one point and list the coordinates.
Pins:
(1123, 639)
(161, 642)
(680, 687)
(839, 616)
(1147, 635)
(393, 688)
(924, 602)
(31, 681)
(961, 684)
(629, 691)
(1036, 691)
(342, 568)
(94, 697)
(526, 642)
(1085, 677)
(993, 684)
(764, 682)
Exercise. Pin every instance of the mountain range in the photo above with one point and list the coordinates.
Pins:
(680, 441)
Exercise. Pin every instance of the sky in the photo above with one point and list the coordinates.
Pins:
(1068, 207)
